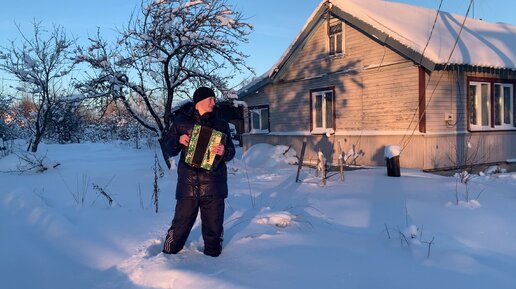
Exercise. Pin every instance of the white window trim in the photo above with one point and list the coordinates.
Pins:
(477, 96)
(253, 130)
(491, 90)
(258, 131)
(324, 129)
(505, 126)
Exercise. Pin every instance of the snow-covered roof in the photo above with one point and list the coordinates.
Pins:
(479, 44)
(408, 28)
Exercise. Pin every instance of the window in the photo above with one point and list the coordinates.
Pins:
(503, 104)
(491, 105)
(259, 119)
(322, 110)
(335, 38)
(479, 104)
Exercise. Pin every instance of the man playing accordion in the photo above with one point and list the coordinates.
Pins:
(199, 187)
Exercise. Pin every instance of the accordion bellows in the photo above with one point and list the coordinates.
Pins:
(199, 153)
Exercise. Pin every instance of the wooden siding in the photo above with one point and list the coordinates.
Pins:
(375, 88)
(423, 151)
(468, 148)
(447, 93)
(376, 97)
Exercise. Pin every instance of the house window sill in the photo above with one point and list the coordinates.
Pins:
(255, 131)
(336, 56)
(326, 131)
(490, 129)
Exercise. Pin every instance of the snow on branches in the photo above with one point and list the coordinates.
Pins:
(166, 50)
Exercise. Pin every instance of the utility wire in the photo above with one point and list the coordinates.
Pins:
(440, 78)
(431, 32)
(421, 60)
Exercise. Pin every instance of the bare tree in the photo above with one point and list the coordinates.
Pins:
(40, 64)
(4, 106)
(166, 50)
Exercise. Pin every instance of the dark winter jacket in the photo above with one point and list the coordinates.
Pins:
(197, 182)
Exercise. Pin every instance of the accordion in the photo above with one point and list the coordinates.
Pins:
(199, 153)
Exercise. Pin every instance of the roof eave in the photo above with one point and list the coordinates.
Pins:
(277, 69)
(475, 68)
(300, 42)
(254, 88)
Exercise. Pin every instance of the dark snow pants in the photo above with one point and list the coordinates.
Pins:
(212, 218)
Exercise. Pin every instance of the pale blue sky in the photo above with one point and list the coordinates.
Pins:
(276, 22)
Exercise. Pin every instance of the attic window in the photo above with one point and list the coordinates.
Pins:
(335, 38)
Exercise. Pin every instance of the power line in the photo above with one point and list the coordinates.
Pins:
(421, 59)
(440, 78)
(431, 32)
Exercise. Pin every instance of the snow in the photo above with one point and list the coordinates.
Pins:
(391, 151)
(269, 156)
(480, 44)
(28, 61)
(370, 231)
(225, 21)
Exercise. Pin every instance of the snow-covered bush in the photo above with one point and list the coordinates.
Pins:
(351, 157)
(30, 162)
(66, 124)
(115, 126)
(464, 180)
(493, 170)
(9, 128)
(3, 116)
(411, 236)
(277, 219)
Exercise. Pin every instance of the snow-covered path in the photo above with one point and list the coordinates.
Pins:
(370, 231)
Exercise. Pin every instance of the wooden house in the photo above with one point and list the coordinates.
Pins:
(364, 74)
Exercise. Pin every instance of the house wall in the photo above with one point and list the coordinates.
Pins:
(445, 94)
(449, 143)
(468, 148)
(374, 86)
(421, 152)
(377, 102)
(376, 90)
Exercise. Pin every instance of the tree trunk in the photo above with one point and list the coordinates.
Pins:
(35, 144)
(166, 156)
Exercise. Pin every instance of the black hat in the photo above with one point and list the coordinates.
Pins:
(202, 93)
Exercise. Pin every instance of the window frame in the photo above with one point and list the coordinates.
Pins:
(260, 108)
(501, 115)
(324, 129)
(495, 109)
(333, 45)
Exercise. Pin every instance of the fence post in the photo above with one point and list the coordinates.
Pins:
(300, 162)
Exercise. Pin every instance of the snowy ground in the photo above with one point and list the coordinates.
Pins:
(370, 231)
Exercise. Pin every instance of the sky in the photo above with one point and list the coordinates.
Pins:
(276, 22)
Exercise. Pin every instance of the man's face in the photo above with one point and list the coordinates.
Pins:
(206, 105)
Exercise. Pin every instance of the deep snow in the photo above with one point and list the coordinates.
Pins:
(370, 231)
